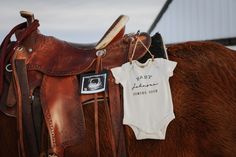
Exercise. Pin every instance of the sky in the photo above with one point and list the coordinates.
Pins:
(80, 21)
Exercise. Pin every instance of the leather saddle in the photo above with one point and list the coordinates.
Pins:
(42, 72)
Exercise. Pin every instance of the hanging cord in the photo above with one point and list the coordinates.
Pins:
(135, 47)
(165, 49)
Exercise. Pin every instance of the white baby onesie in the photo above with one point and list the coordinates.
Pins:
(148, 107)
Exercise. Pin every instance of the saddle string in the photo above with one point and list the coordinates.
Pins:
(96, 122)
(99, 68)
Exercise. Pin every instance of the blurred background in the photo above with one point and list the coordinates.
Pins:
(79, 20)
(86, 21)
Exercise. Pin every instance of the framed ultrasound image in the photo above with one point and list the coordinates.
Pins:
(93, 83)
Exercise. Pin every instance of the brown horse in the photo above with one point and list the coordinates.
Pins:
(204, 96)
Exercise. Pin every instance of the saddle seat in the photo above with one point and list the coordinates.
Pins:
(62, 58)
(85, 46)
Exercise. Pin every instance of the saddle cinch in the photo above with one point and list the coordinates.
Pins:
(40, 87)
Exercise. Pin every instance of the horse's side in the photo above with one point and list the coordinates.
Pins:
(204, 96)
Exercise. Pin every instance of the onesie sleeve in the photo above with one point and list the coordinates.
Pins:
(119, 74)
(169, 66)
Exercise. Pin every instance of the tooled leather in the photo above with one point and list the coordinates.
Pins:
(58, 58)
(63, 111)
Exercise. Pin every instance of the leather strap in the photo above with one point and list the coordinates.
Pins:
(25, 124)
(37, 115)
(21, 146)
(116, 110)
(96, 122)
(3, 48)
(7, 40)
(24, 120)
(29, 137)
(28, 124)
(108, 113)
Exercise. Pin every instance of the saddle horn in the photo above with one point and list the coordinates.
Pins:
(29, 16)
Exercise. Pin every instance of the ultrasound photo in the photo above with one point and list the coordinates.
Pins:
(93, 83)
